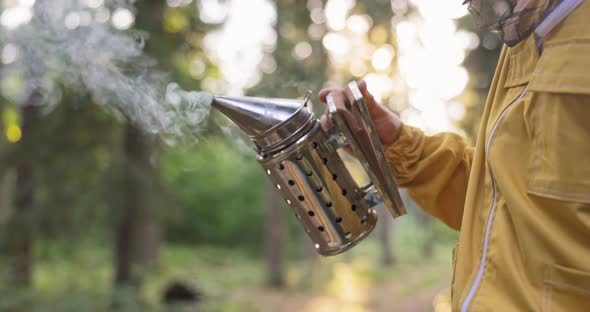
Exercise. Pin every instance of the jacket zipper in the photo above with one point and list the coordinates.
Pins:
(482, 264)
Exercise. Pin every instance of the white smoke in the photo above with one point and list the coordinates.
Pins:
(69, 43)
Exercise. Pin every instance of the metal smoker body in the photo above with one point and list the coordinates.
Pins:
(302, 161)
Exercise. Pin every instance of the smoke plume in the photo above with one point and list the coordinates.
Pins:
(66, 45)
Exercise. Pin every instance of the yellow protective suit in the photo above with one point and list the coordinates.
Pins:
(521, 197)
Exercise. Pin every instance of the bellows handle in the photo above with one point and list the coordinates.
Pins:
(353, 120)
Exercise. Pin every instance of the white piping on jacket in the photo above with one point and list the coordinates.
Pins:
(482, 264)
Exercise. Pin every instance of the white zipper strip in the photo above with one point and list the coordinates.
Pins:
(556, 16)
(482, 264)
(559, 13)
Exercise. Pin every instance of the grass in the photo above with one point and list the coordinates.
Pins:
(81, 279)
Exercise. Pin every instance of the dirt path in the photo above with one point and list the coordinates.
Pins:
(350, 291)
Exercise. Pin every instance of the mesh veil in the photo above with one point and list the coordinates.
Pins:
(514, 20)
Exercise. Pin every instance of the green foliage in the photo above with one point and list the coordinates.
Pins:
(216, 195)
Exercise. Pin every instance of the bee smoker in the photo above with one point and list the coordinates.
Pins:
(301, 159)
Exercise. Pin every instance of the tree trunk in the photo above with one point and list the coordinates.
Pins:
(274, 238)
(18, 235)
(427, 249)
(385, 234)
(137, 233)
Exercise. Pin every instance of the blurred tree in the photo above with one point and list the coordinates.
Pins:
(380, 11)
(137, 232)
(20, 242)
(275, 237)
(320, 62)
(301, 65)
(385, 237)
(424, 222)
(19, 234)
(174, 41)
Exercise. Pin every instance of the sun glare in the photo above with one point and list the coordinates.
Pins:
(17, 15)
(241, 45)
(122, 18)
(431, 54)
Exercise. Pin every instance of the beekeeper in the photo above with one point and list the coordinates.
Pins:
(521, 197)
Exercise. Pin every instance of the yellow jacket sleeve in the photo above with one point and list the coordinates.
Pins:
(435, 171)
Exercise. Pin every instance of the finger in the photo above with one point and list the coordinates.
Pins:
(366, 94)
(324, 93)
(372, 105)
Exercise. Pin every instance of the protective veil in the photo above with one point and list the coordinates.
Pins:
(514, 20)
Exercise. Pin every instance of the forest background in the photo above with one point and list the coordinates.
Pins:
(102, 206)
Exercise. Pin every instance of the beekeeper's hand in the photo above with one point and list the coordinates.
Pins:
(387, 123)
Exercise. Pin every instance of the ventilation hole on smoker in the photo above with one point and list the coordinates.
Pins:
(268, 171)
(325, 161)
(309, 174)
(298, 216)
(319, 189)
(348, 235)
(353, 207)
(363, 220)
(338, 220)
(279, 186)
(344, 192)
(288, 202)
(334, 176)
(317, 246)
(329, 204)
(321, 228)
(299, 157)
(315, 145)
(311, 213)
(332, 244)
(301, 198)
(291, 182)
(281, 166)
(307, 230)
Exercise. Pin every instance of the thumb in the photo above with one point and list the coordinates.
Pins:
(372, 104)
